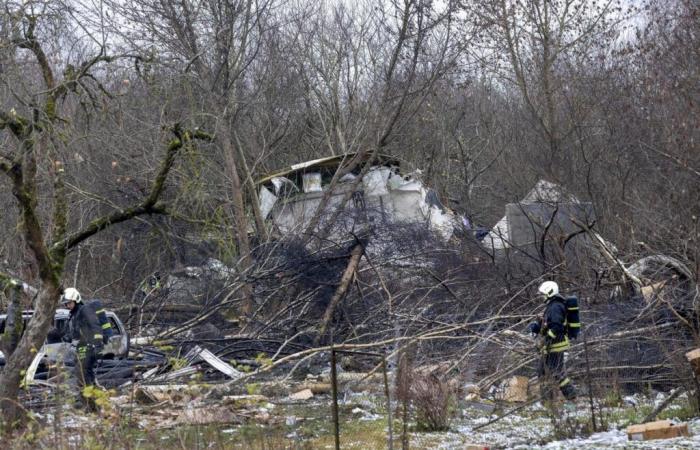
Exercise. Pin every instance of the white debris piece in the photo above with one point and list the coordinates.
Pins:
(442, 222)
(375, 181)
(201, 353)
(544, 191)
(267, 201)
(31, 371)
(184, 372)
(312, 182)
(498, 237)
(501, 235)
(347, 178)
(282, 184)
(302, 395)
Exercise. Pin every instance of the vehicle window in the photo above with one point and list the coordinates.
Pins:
(61, 325)
(115, 327)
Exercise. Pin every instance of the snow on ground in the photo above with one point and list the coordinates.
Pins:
(532, 429)
(510, 431)
(618, 439)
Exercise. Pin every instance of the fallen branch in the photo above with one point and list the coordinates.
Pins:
(663, 404)
(355, 255)
(607, 253)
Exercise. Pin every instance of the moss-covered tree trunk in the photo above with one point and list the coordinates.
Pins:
(51, 257)
(49, 242)
(32, 340)
(13, 322)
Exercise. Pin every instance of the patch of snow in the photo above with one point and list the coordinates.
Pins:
(370, 417)
(631, 400)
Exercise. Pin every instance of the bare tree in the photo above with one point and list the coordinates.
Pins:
(215, 42)
(37, 126)
(534, 45)
(367, 81)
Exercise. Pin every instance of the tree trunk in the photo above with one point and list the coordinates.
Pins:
(239, 219)
(355, 256)
(13, 322)
(254, 199)
(9, 404)
(31, 342)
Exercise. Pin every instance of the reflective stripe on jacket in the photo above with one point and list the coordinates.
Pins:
(99, 310)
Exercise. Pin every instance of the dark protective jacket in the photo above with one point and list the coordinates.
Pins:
(99, 310)
(554, 326)
(84, 326)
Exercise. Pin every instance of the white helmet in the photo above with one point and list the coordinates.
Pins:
(549, 289)
(71, 295)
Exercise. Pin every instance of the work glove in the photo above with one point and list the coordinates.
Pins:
(534, 328)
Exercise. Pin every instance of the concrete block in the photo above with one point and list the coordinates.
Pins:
(527, 222)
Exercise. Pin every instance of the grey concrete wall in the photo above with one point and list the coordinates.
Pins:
(527, 222)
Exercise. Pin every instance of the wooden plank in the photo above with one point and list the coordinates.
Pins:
(693, 355)
(661, 429)
(667, 433)
(302, 395)
(316, 388)
(639, 428)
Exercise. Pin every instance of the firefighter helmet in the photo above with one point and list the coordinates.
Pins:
(549, 289)
(71, 295)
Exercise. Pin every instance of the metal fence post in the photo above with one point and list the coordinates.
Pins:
(387, 391)
(334, 385)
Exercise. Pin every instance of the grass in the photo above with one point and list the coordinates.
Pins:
(623, 417)
(313, 429)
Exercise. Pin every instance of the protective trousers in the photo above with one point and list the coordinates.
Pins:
(552, 370)
(85, 366)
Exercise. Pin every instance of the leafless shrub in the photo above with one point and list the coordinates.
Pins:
(435, 402)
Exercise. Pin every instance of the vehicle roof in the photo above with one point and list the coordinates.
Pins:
(61, 313)
(330, 162)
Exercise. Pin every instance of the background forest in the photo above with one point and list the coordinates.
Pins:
(484, 97)
(132, 132)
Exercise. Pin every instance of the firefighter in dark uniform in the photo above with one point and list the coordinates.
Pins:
(84, 327)
(553, 327)
(98, 309)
